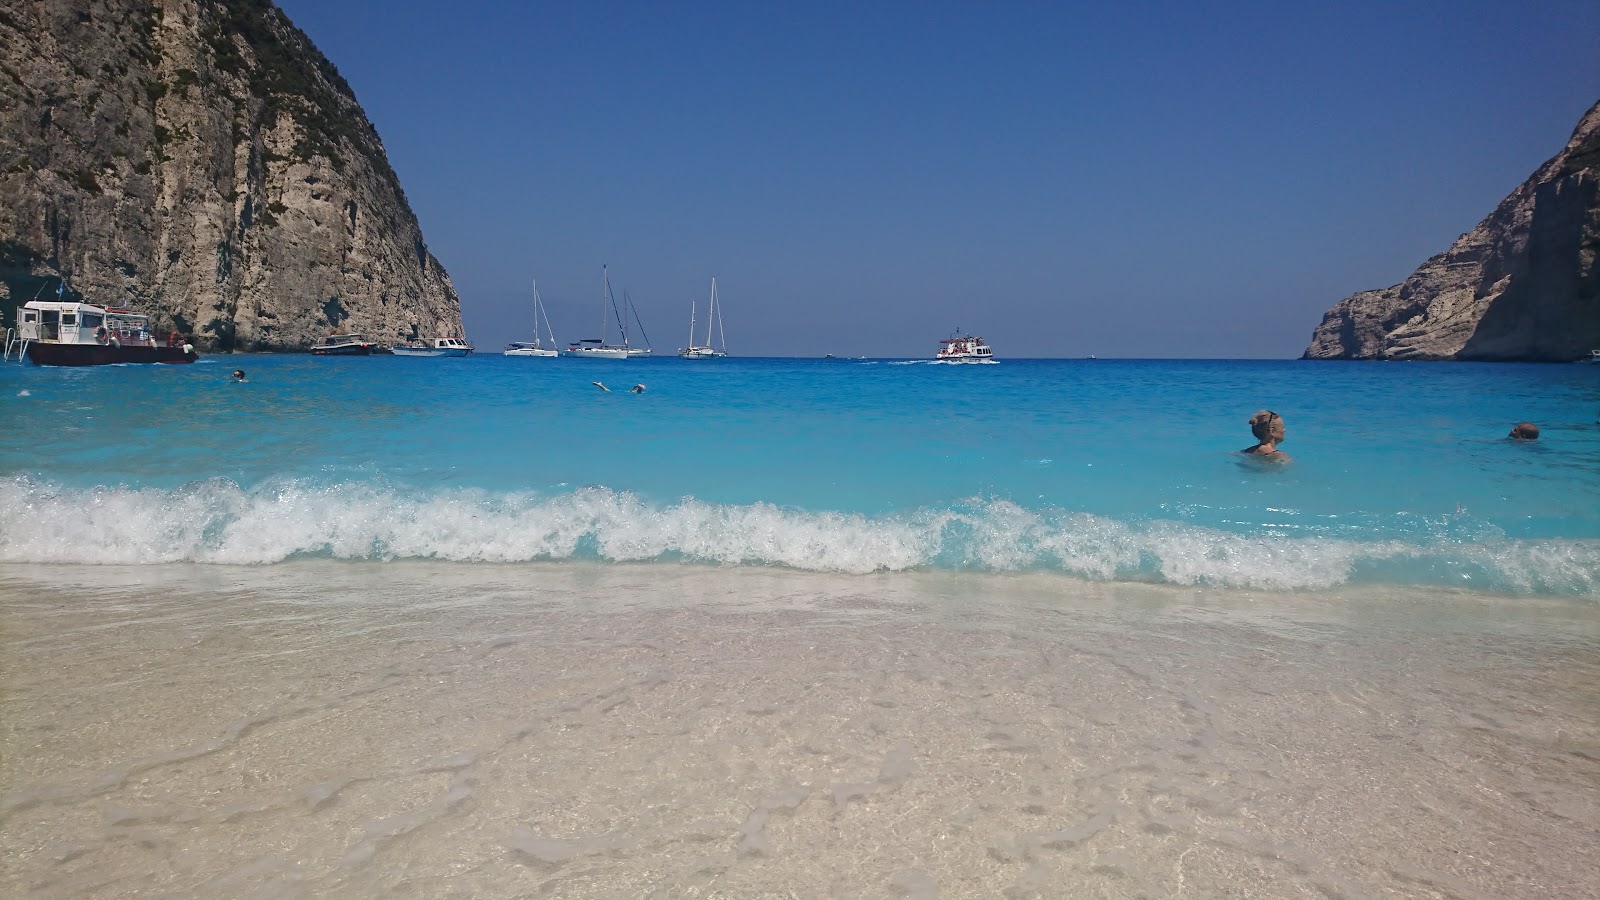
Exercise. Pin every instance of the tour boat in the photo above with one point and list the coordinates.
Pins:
(535, 347)
(706, 351)
(342, 345)
(963, 348)
(597, 348)
(443, 346)
(62, 333)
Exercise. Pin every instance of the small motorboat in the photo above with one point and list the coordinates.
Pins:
(442, 346)
(342, 345)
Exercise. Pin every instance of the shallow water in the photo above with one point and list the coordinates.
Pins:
(334, 729)
(1103, 470)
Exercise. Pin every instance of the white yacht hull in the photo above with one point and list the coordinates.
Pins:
(597, 352)
(531, 351)
(701, 353)
(429, 351)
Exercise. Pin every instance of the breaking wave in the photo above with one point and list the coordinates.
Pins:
(218, 522)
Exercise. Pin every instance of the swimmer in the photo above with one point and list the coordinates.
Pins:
(1268, 428)
(636, 389)
(601, 386)
(1524, 431)
(238, 376)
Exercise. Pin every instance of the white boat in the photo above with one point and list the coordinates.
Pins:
(597, 348)
(963, 348)
(444, 346)
(706, 351)
(342, 345)
(1594, 356)
(71, 333)
(535, 347)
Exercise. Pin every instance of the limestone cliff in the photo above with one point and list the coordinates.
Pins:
(201, 161)
(1523, 285)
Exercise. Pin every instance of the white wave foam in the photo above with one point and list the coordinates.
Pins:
(218, 522)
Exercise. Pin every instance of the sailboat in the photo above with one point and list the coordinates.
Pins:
(535, 347)
(597, 348)
(706, 351)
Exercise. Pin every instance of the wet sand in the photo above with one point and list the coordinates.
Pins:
(565, 730)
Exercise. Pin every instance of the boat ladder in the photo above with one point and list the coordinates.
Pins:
(15, 343)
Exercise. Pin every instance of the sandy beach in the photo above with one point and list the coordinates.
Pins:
(569, 730)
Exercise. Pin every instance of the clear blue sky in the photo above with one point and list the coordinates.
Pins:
(1131, 179)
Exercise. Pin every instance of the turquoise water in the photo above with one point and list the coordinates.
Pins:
(1097, 469)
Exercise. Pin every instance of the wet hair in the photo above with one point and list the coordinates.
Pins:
(1261, 426)
(1525, 431)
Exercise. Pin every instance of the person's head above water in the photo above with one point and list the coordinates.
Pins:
(1267, 426)
(636, 389)
(1524, 431)
(238, 374)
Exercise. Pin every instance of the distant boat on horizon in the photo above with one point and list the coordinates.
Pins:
(535, 348)
(963, 348)
(597, 348)
(706, 351)
(439, 346)
(342, 345)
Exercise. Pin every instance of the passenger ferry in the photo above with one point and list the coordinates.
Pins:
(64, 333)
(963, 348)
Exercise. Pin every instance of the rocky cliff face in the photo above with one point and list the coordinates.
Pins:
(201, 161)
(1523, 285)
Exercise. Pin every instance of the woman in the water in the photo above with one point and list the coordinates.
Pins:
(1267, 426)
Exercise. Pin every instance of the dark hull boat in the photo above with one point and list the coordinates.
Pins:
(97, 355)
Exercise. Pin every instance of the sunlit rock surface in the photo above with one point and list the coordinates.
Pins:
(1523, 285)
(201, 161)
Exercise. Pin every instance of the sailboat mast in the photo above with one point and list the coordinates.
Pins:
(536, 316)
(712, 312)
(691, 324)
(720, 333)
(605, 292)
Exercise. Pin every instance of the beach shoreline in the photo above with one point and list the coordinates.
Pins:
(327, 728)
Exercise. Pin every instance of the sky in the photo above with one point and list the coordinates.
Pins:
(1140, 179)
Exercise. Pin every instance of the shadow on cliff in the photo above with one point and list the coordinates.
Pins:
(1550, 311)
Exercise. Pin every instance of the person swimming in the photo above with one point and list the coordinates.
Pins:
(1268, 428)
(238, 376)
(636, 389)
(1524, 431)
(601, 386)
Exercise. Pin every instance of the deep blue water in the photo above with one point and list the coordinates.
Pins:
(1101, 469)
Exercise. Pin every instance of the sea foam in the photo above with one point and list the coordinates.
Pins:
(219, 522)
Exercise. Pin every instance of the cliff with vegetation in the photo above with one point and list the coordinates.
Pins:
(201, 161)
(1523, 285)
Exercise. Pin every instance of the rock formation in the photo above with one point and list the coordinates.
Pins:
(1523, 285)
(202, 162)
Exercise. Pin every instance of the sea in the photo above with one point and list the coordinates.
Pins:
(807, 628)
(1094, 470)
